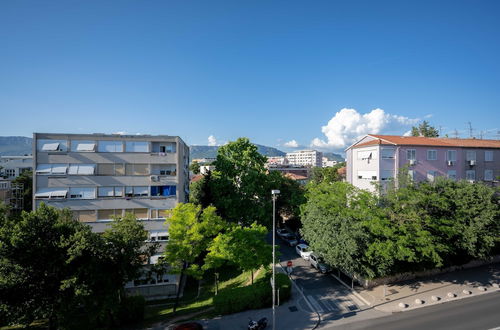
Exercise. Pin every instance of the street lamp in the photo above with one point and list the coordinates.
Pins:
(275, 194)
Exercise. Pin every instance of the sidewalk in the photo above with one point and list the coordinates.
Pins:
(429, 291)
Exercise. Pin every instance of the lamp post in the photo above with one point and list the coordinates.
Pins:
(274, 194)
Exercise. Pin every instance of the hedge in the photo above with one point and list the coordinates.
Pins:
(257, 295)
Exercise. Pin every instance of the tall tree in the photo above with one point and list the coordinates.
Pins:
(246, 247)
(239, 183)
(190, 229)
(327, 174)
(424, 129)
(195, 167)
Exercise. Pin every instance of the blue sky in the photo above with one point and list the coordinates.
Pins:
(278, 72)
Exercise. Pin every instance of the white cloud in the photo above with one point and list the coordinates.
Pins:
(121, 133)
(407, 133)
(348, 125)
(212, 141)
(291, 144)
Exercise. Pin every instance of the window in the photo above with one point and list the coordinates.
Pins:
(10, 172)
(367, 175)
(470, 155)
(488, 175)
(488, 156)
(81, 169)
(388, 153)
(84, 215)
(110, 169)
(470, 175)
(108, 214)
(452, 174)
(159, 214)
(431, 175)
(52, 145)
(136, 146)
(163, 190)
(431, 155)
(411, 154)
(386, 175)
(366, 154)
(54, 169)
(82, 193)
(451, 155)
(51, 193)
(158, 236)
(411, 175)
(110, 146)
(163, 169)
(136, 191)
(83, 146)
(136, 169)
(110, 191)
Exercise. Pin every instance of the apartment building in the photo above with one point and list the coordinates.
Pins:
(310, 158)
(100, 176)
(13, 166)
(378, 158)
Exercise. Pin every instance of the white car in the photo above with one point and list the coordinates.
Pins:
(303, 251)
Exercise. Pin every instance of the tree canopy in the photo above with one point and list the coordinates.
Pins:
(424, 129)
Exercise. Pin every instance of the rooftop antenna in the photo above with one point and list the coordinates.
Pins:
(470, 129)
(440, 129)
(481, 135)
(455, 133)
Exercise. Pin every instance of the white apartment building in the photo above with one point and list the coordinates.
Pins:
(312, 158)
(99, 177)
(13, 166)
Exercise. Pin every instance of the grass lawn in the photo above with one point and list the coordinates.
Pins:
(191, 302)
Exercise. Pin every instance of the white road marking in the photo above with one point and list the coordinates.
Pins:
(316, 305)
(356, 300)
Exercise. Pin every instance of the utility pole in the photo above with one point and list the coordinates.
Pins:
(470, 129)
(275, 194)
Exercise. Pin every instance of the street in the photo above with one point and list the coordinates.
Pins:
(477, 313)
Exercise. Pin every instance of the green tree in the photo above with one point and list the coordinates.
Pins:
(190, 229)
(291, 197)
(195, 167)
(200, 192)
(326, 174)
(245, 247)
(239, 183)
(424, 129)
(55, 268)
(333, 222)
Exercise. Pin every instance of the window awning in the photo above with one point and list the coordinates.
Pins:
(43, 169)
(59, 169)
(50, 146)
(85, 147)
(51, 193)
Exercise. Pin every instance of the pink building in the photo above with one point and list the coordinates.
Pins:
(377, 159)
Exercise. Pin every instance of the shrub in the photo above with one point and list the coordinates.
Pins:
(257, 295)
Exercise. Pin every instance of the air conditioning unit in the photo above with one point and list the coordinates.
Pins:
(450, 163)
(472, 162)
(154, 178)
(413, 161)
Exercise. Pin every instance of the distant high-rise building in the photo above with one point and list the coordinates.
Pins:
(311, 158)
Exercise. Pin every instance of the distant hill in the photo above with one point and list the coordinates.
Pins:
(332, 156)
(211, 151)
(15, 145)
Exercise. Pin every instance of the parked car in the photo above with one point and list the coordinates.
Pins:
(303, 250)
(289, 239)
(318, 263)
(186, 326)
(281, 231)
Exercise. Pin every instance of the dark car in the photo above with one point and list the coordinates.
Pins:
(289, 239)
(187, 326)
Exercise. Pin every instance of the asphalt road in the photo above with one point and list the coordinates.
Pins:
(475, 313)
(324, 293)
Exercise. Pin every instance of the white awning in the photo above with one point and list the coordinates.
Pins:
(73, 169)
(85, 147)
(43, 169)
(51, 193)
(59, 168)
(50, 146)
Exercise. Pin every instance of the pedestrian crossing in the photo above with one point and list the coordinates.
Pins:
(340, 304)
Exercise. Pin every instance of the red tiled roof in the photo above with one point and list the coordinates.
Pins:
(425, 141)
(294, 176)
(197, 177)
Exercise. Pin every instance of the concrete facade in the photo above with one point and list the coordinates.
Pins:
(99, 177)
(311, 158)
(376, 159)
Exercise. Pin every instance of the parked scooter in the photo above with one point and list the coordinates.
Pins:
(257, 325)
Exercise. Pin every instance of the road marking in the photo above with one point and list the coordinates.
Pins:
(329, 304)
(343, 304)
(316, 305)
(356, 300)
